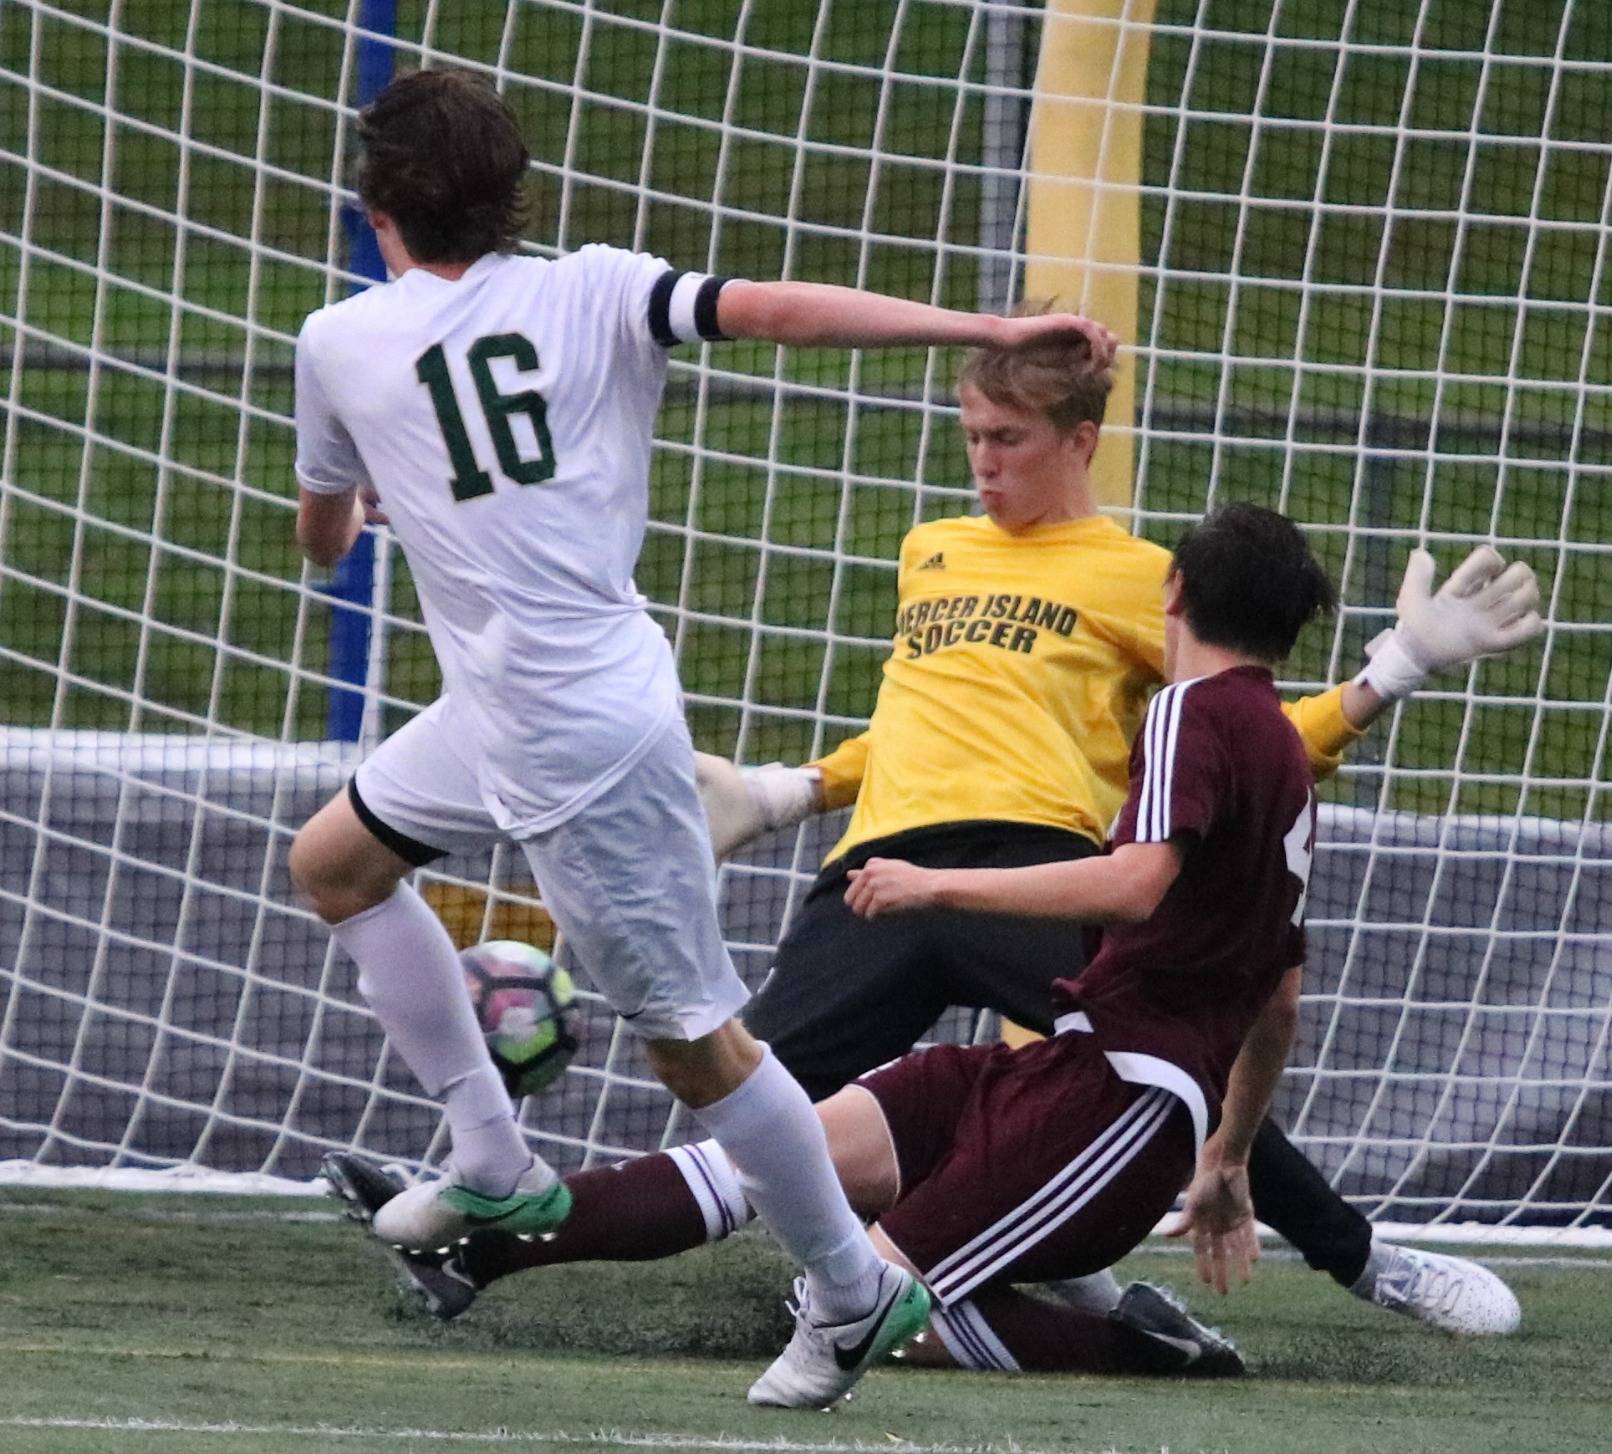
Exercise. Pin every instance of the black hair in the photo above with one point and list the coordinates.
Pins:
(443, 156)
(1249, 582)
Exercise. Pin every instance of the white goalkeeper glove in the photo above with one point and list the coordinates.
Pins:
(1485, 607)
(743, 803)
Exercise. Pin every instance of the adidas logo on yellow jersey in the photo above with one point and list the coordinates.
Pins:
(935, 562)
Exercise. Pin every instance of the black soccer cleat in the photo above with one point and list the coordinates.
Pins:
(1168, 1339)
(439, 1278)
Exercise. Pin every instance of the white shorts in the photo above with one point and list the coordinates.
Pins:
(629, 879)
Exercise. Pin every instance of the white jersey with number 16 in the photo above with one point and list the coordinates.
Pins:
(505, 420)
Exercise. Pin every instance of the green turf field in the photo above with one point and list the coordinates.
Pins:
(150, 579)
(134, 1323)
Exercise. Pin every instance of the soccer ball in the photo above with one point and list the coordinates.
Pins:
(525, 1005)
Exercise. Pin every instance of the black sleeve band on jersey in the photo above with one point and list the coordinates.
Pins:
(660, 299)
(682, 308)
(705, 310)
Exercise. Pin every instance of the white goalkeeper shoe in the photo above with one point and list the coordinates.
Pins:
(824, 1360)
(440, 1213)
(1450, 1293)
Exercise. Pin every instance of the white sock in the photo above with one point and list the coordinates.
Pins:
(776, 1143)
(1097, 1292)
(714, 1184)
(408, 972)
(1377, 1260)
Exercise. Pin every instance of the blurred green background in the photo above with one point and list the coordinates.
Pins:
(1381, 306)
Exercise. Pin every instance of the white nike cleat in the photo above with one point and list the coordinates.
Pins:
(1451, 1293)
(824, 1360)
(440, 1213)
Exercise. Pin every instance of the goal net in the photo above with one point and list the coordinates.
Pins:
(1358, 250)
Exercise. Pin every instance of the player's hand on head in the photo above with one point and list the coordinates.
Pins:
(1099, 338)
(890, 886)
(1485, 607)
(1218, 1215)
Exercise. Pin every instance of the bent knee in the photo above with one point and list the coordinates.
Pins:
(335, 886)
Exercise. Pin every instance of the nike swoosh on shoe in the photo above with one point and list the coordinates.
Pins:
(848, 1358)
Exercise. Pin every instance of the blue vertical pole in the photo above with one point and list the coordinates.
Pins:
(352, 587)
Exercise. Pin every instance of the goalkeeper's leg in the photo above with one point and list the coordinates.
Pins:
(845, 993)
(1292, 1197)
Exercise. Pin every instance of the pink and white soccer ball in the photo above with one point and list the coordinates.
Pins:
(526, 1006)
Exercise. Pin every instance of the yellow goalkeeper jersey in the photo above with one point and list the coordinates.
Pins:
(1018, 676)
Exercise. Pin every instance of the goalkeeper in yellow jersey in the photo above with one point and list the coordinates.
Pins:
(1027, 642)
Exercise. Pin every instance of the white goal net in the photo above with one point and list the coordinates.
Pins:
(1358, 249)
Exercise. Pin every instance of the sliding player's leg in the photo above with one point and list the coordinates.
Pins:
(631, 886)
(1031, 1166)
(411, 801)
(635, 1211)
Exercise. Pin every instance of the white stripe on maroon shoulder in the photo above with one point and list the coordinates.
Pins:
(1161, 731)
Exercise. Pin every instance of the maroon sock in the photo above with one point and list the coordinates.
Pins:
(1041, 1337)
(635, 1211)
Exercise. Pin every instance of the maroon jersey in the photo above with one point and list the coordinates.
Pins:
(1220, 769)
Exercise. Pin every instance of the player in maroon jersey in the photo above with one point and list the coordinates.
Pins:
(987, 1167)
(1172, 1040)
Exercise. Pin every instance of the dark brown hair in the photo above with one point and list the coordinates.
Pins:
(1054, 377)
(1249, 582)
(443, 157)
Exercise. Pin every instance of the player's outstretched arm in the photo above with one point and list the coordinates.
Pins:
(820, 314)
(1219, 1211)
(1123, 887)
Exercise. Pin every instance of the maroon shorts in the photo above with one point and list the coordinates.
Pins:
(1025, 1165)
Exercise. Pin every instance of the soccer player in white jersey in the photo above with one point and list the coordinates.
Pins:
(499, 409)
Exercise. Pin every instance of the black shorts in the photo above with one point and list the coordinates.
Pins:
(847, 994)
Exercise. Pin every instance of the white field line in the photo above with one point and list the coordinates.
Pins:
(197, 1179)
(202, 1214)
(1494, 1252)
(592, 1439)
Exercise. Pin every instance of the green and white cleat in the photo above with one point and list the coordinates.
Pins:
(824, 1360)
(440, 1213)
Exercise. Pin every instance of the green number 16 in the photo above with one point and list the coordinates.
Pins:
(469, 478)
